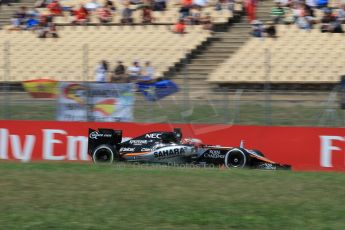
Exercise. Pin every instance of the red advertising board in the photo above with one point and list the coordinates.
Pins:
(304, 148)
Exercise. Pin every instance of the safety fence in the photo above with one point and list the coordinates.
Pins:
(242, 106)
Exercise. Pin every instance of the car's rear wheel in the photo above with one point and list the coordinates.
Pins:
(104, 154)
(236, 158)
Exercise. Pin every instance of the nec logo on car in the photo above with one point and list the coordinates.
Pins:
(172, 152)
(153, 135)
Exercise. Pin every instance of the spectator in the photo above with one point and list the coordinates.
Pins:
(207, 22)
(147, 12)
(40, 4)
(47, 29)
(309, 9)
(187, 3)
(270, 30)
(311, 3)
(200, 3)
(92, 6)
(321, 3)
(159, 5)
(277, 13)
(341, 13)
(185, 8)
(258, 29)
(126, 14)
(180, 27)
(81, 15)
(225, 4)
(104, 14)
(15, 22)
(330, 23)
(101, 71)
(148, 72)
(33, 12)
(119, 72)
(250, 6)
(134, 71)
(110, 5)
(305, 20)
(195, 15)
(31, 23)
(55, 8)
(22, 15)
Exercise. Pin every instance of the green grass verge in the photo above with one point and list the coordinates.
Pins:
(84, 196)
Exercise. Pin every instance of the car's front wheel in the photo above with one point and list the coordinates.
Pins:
(104, 154)
(236, 158)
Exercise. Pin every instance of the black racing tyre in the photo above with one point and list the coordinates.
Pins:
(236, 158)
(104, 154)
(258, 153)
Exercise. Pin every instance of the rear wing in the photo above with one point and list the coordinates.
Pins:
(103, 136)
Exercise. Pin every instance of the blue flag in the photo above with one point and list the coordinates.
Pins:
(157, 90)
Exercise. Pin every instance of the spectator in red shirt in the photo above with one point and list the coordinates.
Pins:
(180, 27)
(187, 3)
(104, 14)
(81, 15)
(250, 6)
(55, 8)
(147, 12)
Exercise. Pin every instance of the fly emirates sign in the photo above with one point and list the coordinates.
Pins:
(52, 144)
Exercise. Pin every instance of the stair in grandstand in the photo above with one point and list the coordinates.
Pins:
(219, 48)
(6, 12)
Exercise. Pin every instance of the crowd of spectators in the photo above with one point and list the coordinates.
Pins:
(31, 19)
(304, 14)
(122, 73)
(190, 11)
(41, 17)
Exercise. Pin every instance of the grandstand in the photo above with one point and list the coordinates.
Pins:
(208, 59)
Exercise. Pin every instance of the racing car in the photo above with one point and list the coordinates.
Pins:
(106, 146)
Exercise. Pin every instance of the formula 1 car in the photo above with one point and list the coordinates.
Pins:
(106, 146)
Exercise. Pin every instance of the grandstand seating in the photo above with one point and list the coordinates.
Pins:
(296, 56)
(62, 58)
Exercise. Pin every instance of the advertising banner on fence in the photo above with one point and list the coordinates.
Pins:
(302, 147)
(95, 101)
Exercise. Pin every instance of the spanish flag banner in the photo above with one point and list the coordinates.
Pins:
(41, 88)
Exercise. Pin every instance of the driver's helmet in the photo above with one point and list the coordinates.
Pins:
(192, 141)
